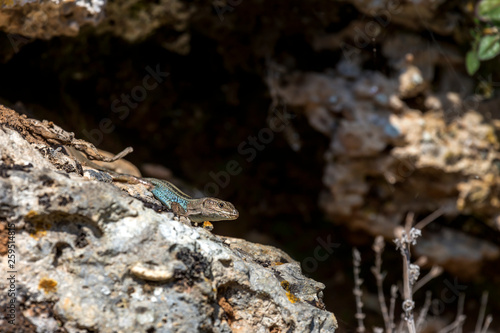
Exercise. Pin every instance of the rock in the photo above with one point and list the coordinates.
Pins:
(132, 20)
(50, 18)
(461, 254)
(91, 257)
(386, 159)
(413, 14)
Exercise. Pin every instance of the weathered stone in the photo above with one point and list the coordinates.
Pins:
(386, 159)
(102, 261)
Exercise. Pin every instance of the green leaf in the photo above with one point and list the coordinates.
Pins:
(471, 62)
(489, 47)
(489, 10)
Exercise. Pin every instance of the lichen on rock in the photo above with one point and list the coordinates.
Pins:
(100, 260)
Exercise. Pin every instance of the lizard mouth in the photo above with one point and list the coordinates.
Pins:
(235, 215)
(231, 215)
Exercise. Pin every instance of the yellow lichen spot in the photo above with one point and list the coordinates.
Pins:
(207, 225)
(31, 214)
(40, 229)
(7, 2)
(291, 297)
(38, 234)
(48, 285)
(278, 263)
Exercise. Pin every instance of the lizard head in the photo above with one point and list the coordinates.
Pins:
(219, 210)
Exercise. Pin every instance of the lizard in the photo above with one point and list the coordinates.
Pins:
(196, 209)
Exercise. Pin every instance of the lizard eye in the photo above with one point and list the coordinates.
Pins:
(221, 205)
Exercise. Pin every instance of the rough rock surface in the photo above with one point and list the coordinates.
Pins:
(130, 19)
(414, 14)
(91, 257)
(386, 158)
(47, 19)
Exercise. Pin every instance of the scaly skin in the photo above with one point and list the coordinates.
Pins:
(198, 210)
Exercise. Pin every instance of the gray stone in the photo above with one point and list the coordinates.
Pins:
(102, 261)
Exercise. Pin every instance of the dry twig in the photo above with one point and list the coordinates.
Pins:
(487, 322)
(405, 239)
(378, 248)
(394, 295)
(482, 312)
(456, 325)
(434, 272)
(356, 258)
(423, 313)
(430, 218)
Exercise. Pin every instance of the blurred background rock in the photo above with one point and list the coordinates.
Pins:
(325, 123)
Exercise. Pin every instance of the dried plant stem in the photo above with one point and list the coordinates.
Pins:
(356, 258)
(378, 248)
(456, 325)
(405, 238)
(482, 312)
(434, 272)
(460, 313)
(423, 313)
(403, 242)
(430, 218)
(487, 322)
(400, 327)
(408, 303)
(394, 295)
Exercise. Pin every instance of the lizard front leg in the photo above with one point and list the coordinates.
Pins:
(177, 209)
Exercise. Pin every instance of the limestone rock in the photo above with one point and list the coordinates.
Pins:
(91, 257)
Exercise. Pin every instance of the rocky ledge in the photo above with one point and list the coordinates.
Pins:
(88, 256)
